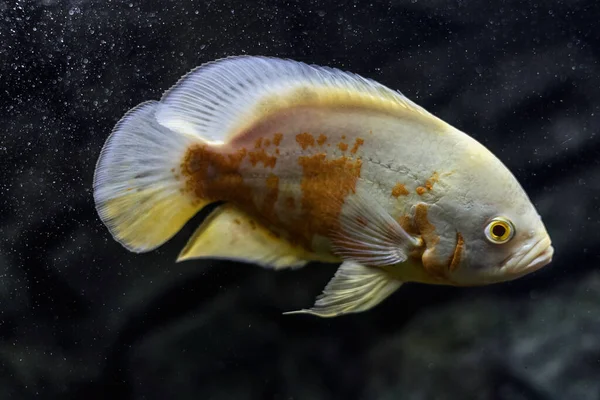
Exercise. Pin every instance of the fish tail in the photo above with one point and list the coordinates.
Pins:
(138, 190)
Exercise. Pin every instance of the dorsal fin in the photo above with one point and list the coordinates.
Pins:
(215, 100)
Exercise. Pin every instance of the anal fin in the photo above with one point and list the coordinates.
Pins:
(354, 288)
(229, 233)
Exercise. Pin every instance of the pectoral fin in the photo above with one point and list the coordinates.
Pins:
(229, 233)
(354, 288)
(369, 235)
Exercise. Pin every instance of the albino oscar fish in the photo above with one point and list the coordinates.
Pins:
(316, 164)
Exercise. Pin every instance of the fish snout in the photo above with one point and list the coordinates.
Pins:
(532, 258)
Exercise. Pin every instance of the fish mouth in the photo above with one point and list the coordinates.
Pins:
(532, 258)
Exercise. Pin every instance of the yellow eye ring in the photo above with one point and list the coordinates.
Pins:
(499, 230)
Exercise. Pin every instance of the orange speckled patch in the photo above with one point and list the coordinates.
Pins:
(399, 190)
(325, 184)
(343, 146)
(425, 227)
(277, 138)
(427, 230)
(457, 255)
(261, 156)
(212, 176)
(305, 140)
(321, 140)
(421, 190)
(429, 182)
(408, 225)
(267, 142)
(210, 173)
(359, 142)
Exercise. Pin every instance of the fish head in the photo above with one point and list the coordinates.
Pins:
(502, 245)
(485, 228)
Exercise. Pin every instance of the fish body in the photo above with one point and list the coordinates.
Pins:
(316, 164)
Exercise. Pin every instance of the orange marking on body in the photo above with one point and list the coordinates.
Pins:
(457, 255)
(431, 181)
(325, 184)
(267, 142)
(343, 146)
(435, 177)
(359, 142)
(305, 140)
(399, 190)
(427, 230)
(212, 175)
(343, 137)
(321, 140)
(407, 224)
(258, 143)
(277, 139)
(216, 176)
(261, 155)
(209, 174)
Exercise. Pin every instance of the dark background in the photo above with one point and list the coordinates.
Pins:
(82, 318)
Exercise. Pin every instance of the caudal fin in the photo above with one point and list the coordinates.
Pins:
(137, 191)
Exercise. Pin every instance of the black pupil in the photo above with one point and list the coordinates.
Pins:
(499, 230)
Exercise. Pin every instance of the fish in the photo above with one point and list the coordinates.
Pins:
(313, 164)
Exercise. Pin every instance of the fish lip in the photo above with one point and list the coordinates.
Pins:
(537, 257)
(543, 258)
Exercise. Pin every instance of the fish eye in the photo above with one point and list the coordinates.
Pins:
(499, 230)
